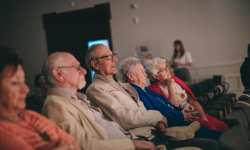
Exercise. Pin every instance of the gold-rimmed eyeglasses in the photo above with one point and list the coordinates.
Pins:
(110, 57)
(77, 67)
(163, 69)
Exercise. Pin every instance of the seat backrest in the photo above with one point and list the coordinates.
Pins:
(245, 98)
(199, 88)
(236, 117)
(205, 86)
(211, 83)
(194, 90)
(219, 88)
(234, 139)
(214, 92)
(246, 110)
(217, 79)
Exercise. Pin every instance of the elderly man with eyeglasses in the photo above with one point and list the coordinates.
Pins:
(120, 102)
(71, 111)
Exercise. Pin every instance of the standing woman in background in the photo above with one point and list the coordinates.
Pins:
(181, 61)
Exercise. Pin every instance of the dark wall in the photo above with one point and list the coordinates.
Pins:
(70, 31)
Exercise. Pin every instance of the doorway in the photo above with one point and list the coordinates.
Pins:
(71, 32)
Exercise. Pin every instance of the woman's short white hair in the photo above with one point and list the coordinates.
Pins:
(151, 67)
(126, 66)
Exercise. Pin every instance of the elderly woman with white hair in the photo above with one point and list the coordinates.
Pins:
(133, 72)
(177, 92)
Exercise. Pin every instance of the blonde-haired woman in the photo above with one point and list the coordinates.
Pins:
(132, 72)
(178, 93)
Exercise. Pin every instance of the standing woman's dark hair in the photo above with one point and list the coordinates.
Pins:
(182, 50)
(181, 61)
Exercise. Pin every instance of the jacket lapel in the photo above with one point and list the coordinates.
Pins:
(85, 115)
(117, 85)
(78, 106)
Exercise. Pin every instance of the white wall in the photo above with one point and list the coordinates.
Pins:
(215, 32)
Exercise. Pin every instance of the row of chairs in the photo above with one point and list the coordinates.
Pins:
(214, 97)
(238, 135)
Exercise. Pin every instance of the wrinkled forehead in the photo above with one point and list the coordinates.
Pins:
(102, 50)
(69, 59)
(140, 66)
(137, 67)
(161, 65)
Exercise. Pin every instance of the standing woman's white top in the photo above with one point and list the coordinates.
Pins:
(181, 61)
(186, 58)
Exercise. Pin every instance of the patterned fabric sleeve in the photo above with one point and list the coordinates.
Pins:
(34, 132)
(10, 141)
(45, 125)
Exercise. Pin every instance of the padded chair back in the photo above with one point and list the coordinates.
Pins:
(205, 86)
(238, 117)
(234, 139)
(211, 83)
(200, 88)
(221, 89)
(245, 98)
(246, 110)
(194, 90)
(217, 79)
(209, 89)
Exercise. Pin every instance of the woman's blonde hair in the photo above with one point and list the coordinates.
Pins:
(151, 67)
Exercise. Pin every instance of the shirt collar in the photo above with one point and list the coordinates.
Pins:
(107, 78)
(66, 91)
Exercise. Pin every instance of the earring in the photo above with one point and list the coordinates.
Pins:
(157, 78)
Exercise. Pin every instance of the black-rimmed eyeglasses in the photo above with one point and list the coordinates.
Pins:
(110, 57)
(77, 67)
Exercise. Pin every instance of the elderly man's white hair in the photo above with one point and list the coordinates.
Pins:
(53, 61)
(151, 67)
(127, 66)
